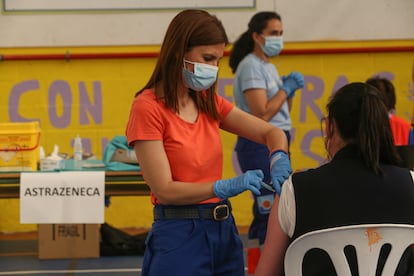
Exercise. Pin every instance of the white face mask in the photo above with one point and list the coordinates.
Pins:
(204, 76)
(273, 45)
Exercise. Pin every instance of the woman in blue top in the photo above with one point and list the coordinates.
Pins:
(259, 90)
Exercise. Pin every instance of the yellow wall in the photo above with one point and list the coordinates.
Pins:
(91, 97)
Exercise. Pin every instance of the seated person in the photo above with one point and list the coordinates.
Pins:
(361, 184)
(401, 128)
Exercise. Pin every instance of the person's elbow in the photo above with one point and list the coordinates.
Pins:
(263, 114)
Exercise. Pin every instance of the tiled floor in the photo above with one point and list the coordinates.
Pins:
(31, 265)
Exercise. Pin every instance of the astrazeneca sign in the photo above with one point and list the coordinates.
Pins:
(62, 197)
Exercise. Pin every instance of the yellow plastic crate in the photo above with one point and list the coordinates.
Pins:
(19, 146)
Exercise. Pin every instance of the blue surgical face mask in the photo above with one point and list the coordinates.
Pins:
(273, 45)
(204, 76)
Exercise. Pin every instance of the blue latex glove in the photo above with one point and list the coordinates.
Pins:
(298, 77)
(292, 82)
(280, 169)
(250, 180)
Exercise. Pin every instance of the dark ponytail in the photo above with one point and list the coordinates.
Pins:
(241, 48)
(362, 119)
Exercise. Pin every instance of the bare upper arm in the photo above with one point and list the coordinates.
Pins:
(244, 124)
(261, 106)
(154, 163)
(272, 257)
(256, 99)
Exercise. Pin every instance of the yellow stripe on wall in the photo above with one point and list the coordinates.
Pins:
(70, 93)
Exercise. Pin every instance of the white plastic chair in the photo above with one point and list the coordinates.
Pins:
(367, 240)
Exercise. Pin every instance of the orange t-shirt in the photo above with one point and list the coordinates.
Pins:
(194, 150)
(400, 130)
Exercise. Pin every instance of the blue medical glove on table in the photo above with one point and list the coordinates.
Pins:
(280, 169)
(292, 82)
(250, 180)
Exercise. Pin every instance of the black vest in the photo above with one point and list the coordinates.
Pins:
(345, 192)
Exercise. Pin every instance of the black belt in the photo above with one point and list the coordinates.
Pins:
(218, 213)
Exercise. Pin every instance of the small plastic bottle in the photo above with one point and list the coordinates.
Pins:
(77, 153)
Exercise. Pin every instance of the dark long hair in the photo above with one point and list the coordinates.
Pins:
(386, 89)
(245, 44)
(362, 119)
(188, 29)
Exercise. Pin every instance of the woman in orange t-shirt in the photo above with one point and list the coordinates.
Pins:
(174, 127)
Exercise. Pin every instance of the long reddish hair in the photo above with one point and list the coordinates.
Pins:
(188, 29)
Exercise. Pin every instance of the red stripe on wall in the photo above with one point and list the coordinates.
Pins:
(317, 51)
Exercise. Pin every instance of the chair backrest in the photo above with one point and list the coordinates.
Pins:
(367, 239)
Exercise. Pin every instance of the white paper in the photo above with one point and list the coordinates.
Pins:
(62, 197)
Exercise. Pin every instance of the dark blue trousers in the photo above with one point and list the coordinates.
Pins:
(252, 156)
(202, 247)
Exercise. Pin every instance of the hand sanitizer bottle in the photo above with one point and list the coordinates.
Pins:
(77, 153)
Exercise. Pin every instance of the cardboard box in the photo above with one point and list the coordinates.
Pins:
(68, 241)
(19, 146)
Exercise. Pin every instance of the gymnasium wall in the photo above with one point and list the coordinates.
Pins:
(76, 71)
